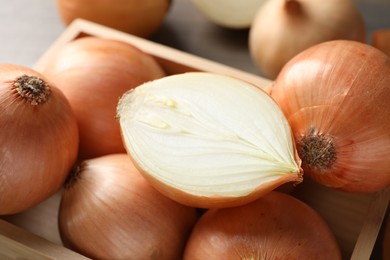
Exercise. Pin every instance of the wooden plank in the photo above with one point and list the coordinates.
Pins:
(175, 61)
(371, 226)
(17, 243)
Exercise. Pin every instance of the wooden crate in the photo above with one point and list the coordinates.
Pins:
(355, 219)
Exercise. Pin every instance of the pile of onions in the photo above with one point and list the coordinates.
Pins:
(283, 28)
(38, 140)
(141, 18)
(109, 211)
(276, 226)
(93, 73)
(335, 96)
(208, 140)
(229, 13)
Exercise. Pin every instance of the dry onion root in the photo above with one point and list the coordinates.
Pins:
(93, 73)
(208, 140)
(283, 28)
(335, 96)
(38, 140)
(276, 226)
(109, 211)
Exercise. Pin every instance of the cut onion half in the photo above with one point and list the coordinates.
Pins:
(208, 140)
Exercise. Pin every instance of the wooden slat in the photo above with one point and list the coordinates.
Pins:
(371, 226)
(17, 243)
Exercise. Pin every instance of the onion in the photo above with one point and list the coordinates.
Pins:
(381, 40)
(93, 73)
(283, 28)
(38, 140)
(109, 211)
(335, 96)
(208, 140)
(229, 13)
(141, 18)
(276, 226)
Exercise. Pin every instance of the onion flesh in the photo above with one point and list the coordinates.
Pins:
(208, 140)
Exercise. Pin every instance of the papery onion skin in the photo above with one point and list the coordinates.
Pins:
(230, 14)
(109, 211)
(381, 40)
(38, 140)
(336, 97)
(276, 226)
(93, 73)
(208, 140)
(283, 28)
(141, 18)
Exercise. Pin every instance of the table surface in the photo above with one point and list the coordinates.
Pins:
(29, 27)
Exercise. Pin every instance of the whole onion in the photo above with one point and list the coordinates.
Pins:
(38, 139)
(109, 211)
(93, 73)
(276, 226)
(283, 28)
(141, 18)
(335, 96)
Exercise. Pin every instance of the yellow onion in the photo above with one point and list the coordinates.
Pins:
(141, 18)
(335, 96)
(381, 40)
(229, 13)
(38, 140)
(283, 28)
(109, 211)
(276, 226)
(208, 140)
(93, 73)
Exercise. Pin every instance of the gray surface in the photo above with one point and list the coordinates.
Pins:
(28, 27)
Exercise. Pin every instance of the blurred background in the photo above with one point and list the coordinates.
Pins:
(29, 27)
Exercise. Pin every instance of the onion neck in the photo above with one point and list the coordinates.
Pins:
(32, 89)
(317, 151)
(293, 7)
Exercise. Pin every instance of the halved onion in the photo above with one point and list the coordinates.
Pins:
(208, 140)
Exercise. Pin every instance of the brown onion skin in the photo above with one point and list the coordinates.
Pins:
(93, 73)
(283, 28)
(381, 40)
(276, 226)
(109, 211)
(141, 18)
(193, 200)
(38, 142)
(340, 90)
